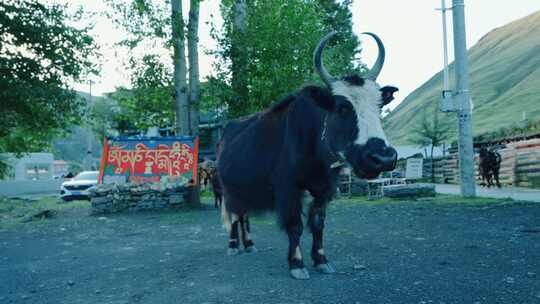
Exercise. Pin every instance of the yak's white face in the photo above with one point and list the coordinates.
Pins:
(354, 124)
(366, 101)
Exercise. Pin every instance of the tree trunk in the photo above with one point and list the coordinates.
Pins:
(194, 85)
(239, 60)
(432, 166)
(179, 60)
(193, 55)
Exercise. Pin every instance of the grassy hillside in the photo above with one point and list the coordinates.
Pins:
(505, 82)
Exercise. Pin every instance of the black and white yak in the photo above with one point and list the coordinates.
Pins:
(268, 160)
(489, 165)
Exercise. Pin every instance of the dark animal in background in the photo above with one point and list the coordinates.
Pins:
(268, 160)
(208, 177)
(204, 179)
(205, 173)
(216, 188)
(489, 166)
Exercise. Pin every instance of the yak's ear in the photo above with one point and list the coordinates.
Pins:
(322, 97)
(387, 94)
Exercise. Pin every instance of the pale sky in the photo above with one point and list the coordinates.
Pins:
(411, 31)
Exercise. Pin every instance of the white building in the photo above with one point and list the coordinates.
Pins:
(32, 166)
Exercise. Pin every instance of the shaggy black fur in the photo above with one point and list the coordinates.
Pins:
(268, 160)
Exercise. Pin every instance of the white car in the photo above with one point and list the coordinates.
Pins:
(79, 186)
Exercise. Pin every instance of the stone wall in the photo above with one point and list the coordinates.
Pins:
(110, 198)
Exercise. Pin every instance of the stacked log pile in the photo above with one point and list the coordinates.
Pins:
(110, 198)
(527, 163)
(451, 169)
(508, 166)
(520, 166)
(506, 174)
(439, 164)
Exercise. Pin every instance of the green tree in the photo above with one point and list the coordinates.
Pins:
(41, 53)
(193, 56)
(103, 113)
(154, 27)
(272, 55)
(431, 133)
(148, 102)
(157, 91)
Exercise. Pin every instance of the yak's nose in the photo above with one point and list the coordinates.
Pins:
(381, 156)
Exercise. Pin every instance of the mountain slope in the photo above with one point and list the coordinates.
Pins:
(504, 83)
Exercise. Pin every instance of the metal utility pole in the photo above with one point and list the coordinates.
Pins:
(443, 9)
(89, 135)
(463, 98)
(447, 101)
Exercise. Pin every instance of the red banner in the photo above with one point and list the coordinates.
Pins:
(141, 159)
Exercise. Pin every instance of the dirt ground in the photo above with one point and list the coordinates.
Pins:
(444, 250)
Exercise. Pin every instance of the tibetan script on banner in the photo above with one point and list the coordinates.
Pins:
(149, 159)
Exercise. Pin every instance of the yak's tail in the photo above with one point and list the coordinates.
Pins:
(225, 218)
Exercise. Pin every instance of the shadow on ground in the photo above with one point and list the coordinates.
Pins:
(442, 250)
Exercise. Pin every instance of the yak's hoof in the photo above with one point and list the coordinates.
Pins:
(251, 249)
(232, 251)
(300, 273)
(325, 268)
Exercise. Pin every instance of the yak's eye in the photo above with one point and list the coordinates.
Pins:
(344, 109)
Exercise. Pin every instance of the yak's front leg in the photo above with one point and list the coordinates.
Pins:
(317, 214)
(483, 176)
(233, 235)
(496, 177)
(246, 237)
(294, 229)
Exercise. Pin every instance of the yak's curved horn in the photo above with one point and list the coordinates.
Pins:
(378, 65)
(317, 59)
